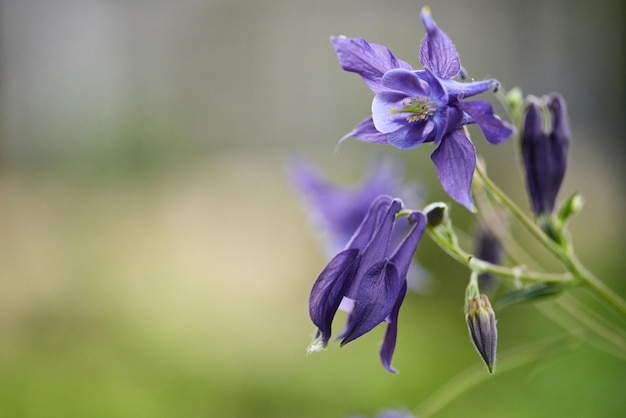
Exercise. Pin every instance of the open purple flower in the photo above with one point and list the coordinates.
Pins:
(367, 278)
(411, 107)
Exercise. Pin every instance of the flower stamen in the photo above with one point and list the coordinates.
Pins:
(420, 108)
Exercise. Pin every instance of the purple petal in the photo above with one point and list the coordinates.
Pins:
(377, 248)
(407, 82)
(329, 289)
(402, 260)
(391, 333)
(493, 128)
(406, 250)
(535, 151)
(560, 120)
(370, 224)
(366, 131)
(437, 52)
(368, 60)
(375, 300)
(455, 160)
(438, 92)
(411, 135)
(464, 90)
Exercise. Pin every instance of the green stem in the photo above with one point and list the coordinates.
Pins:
(567, 257)
(530, 226)
(597, 286)
(509, 360)
(482, 266)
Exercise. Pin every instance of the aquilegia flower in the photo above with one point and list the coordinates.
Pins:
(367, 279)
(545, 144)
(336, 211)
(411, 107)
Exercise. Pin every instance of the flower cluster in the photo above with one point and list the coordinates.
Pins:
(411, 106)
(367, 279)
(372, 237)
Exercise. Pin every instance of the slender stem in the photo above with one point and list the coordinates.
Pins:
(597, 286)
(530, 226)
(567, 257)
(485, 267)
(508, 360)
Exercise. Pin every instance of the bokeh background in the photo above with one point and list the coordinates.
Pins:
(154, 260)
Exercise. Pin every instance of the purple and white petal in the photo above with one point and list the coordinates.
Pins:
(386, 113)
(455, 161)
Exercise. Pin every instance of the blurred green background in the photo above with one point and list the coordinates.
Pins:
(154, 261)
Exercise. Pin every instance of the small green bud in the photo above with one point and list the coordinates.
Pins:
(572, 206)
(436, 213)
(481, 322)
(514, 99)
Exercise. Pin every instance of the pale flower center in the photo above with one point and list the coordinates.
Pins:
(420, 108)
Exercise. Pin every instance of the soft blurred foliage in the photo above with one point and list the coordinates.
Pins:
(153, 259)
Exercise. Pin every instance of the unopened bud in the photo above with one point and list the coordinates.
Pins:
(436, 213)
(545, 145)
(572, 206)
(481, 322)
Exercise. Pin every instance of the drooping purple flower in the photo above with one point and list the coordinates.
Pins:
(412, 107)
(367, 278)
(336, 211)
(545, 145)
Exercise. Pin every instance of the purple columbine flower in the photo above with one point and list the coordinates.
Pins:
(545, 144)
(367, 278)
(336, 211)
(412, 107)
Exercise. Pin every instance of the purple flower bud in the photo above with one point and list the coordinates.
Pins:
(488, 248)
(545, 144)
(481, 322)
